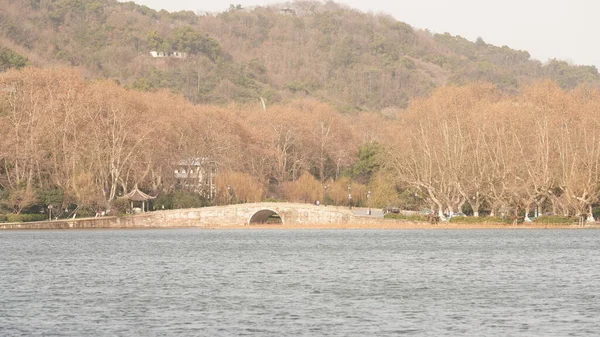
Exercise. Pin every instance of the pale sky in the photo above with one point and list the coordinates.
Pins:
(562, 29)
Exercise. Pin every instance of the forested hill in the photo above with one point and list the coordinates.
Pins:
(353, 60)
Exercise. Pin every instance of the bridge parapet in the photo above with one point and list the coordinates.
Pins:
(242, 214)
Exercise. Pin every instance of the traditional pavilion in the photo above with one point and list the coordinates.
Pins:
(136, 196)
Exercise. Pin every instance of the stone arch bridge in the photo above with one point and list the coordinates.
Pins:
(256, 213)
(232, 215)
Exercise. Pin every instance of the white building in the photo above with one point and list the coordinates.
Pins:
(197, 175)
(175, 54)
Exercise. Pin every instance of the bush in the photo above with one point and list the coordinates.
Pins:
(164, 201)
(184, 199)
(555, 219)
(273, 200)
(180, 199)
(121, 205)
(51, 196)
(26, 217)
(397, 216)
(3, 218)
(86, 212)
(476, 219)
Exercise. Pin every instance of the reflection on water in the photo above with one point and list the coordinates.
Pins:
(300, 283)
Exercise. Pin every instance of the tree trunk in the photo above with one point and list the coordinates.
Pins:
(526, 219)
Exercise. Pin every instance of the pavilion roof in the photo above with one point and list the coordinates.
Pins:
(137, 195)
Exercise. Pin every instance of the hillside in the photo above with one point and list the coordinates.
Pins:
(352, 60)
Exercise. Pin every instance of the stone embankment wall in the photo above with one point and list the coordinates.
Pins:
(138, 221)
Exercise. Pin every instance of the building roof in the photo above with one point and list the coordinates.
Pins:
(137, 195)
(198, 161)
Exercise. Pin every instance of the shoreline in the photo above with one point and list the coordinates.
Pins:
(150, 221)
(405, 225)
(398, 226)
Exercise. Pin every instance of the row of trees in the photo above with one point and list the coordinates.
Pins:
(71, 141)
(90, 142)
(474, 145)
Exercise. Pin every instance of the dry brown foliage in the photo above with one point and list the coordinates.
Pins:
(237, 187)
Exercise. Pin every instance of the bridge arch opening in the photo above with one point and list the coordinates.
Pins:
(266, 216)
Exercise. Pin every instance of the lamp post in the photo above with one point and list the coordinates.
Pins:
(369, 201)
(415, 200)
(229, 194)
(50, 212)
(349, 196)
(325, 195)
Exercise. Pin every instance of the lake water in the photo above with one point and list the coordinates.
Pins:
(193, 282)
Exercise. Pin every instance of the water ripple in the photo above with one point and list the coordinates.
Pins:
(299, 283)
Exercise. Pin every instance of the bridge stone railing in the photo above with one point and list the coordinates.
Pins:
(241, 214)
